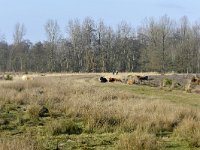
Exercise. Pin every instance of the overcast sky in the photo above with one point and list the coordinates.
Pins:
(34, 13)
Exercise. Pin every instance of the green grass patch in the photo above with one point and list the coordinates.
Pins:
(155, 93)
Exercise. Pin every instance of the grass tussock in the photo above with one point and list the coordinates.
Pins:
(64, 127)
(189, 130)
(33, 111)
(139, 140)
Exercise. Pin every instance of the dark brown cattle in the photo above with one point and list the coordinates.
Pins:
(103, 80)
(43, 112)
(195, 80)
(142, 78)
(111, 79)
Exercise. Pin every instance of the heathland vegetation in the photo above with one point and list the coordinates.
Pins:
(78, 112)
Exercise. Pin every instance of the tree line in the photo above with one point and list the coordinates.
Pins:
(161, 45)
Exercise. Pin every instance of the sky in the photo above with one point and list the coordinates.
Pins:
(35, 13)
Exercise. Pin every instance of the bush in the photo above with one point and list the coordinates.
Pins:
(8, 77)
(167, 82)
(64, 127)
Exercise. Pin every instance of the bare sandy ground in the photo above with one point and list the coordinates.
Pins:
(181, 78)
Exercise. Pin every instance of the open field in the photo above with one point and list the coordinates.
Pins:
(86, 114)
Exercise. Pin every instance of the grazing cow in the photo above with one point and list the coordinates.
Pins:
(192, 83)
(142, 78)
(103, 80)
(25, 77)
(43, 112)
(114, 79)
(130, 82)
(195, 80)
(115, 72)
(111, 79)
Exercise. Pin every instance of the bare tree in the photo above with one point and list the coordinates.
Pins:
(195, 46)
(53, 35)
(184, 48)
(165, 26)
(2, 37)
(52, 31)
(75, 37)
(19, 33)
(88, 39)
(158, 45)
(151, 51)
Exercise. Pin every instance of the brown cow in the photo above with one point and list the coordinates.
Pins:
(195, 80)
(130, 82)
(114, 79)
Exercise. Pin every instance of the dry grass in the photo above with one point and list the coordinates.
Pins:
(63, 127)
(139, 140)
(17, 144)
(189, 130)
(33, 111)
(99, 109)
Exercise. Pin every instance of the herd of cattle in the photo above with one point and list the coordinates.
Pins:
(129, 79)
(187, 83)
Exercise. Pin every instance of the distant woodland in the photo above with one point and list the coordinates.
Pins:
(161, 45)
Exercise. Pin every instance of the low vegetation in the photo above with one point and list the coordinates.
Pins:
(139, 140)
(82, 113)
(8, 77)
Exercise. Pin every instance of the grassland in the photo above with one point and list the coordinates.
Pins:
(86, 114)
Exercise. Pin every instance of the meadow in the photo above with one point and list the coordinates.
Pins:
(82, 113)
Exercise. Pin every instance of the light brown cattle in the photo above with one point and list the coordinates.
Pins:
(114, 79)
(130, 82)
(25, 77)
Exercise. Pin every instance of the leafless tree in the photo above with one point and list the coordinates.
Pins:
(53, 35)
(19, 33)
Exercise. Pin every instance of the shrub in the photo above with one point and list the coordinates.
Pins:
(167, 82)
(8, 77)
